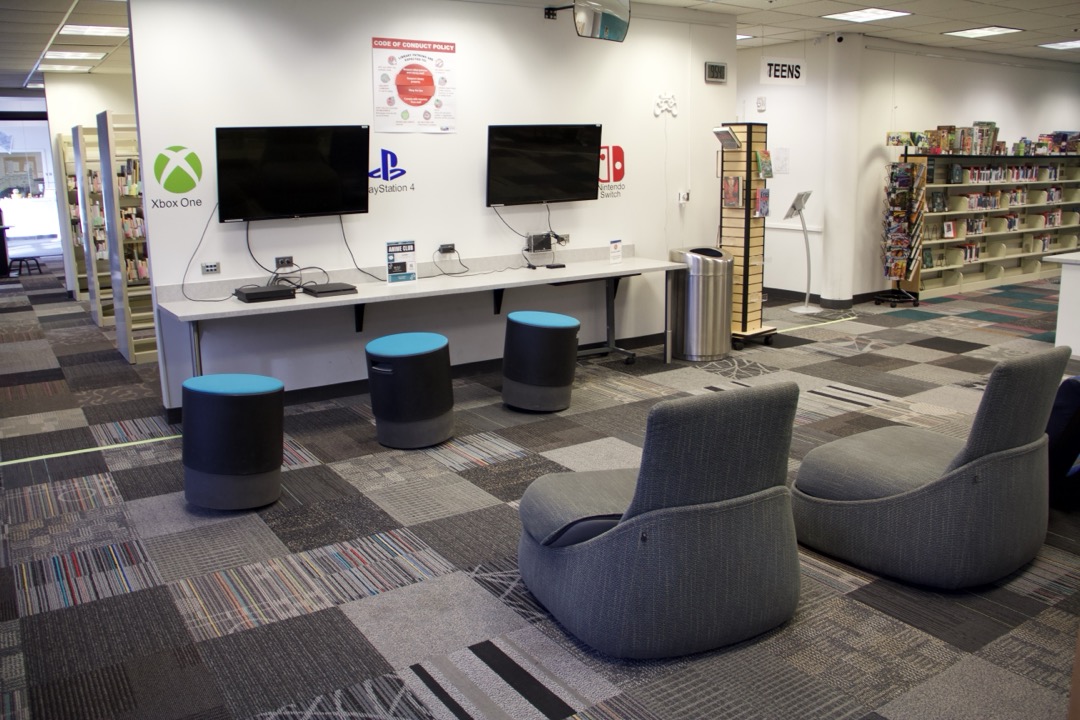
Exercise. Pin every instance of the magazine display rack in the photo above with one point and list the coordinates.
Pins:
(744, 206)
(129, 266)
(988, 220)
(95, 268)
(901, 246)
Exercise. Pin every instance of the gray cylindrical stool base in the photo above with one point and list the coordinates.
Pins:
(233, 440)
(539, 360)
(231, 492)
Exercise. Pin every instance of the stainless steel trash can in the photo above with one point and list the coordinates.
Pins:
(699, 303)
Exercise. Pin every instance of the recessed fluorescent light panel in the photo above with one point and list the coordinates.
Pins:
(68, 55)
(743, 37)
(867, 15)
(1069, 45)
(64, 68)
(35, 86)
(982, 32)
(95, 30)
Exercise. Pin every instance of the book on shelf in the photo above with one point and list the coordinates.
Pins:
(764, 163)
(956, 173)
(761, 202)
(727, 137)
(732, 191)
(927, 258)
(948, 229)
(937, 202)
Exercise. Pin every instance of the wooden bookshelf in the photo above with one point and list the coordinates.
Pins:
(95, 264)
(742, 234)
(129, 273)
(1009, 210)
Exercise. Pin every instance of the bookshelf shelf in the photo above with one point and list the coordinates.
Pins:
(742, 232)
(91, 253)
(136, 337)
(1036, 213)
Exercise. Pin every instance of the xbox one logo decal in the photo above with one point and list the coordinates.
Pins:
(178, 169)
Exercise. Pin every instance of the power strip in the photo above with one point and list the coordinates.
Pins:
(538, 243)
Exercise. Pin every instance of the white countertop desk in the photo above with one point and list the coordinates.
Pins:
(192, 312)
(1068, 321)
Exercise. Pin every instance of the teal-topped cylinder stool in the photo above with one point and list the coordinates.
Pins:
(233, 440)
(539, 359)
(412, 394)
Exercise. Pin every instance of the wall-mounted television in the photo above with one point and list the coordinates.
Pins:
(529, 164)
(285, 172)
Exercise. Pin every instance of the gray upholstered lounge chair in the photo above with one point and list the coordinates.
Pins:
(934, 510)
(694, 550)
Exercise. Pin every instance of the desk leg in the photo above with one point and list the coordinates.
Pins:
(611, 284)
(668, 287)
(196, 348)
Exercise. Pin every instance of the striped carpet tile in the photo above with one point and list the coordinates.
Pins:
(33, 390)
(39, 502)
(1051, 577)
(241, 598)
(620, 707)
(472, 451)
(123, 431)
(82, 576)
(296, 456)
(497, 678)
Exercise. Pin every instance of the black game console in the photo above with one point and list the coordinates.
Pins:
(263, 293)
(325, 289)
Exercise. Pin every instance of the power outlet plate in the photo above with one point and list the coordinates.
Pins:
(446, 248)
(211, 268)
(283, 261)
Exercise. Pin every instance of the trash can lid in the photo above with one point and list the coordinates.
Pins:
(703, 260)
(406, 344)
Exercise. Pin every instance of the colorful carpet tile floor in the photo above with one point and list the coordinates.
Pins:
(384, 583)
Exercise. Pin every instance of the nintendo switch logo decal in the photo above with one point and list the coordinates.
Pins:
(612, 171)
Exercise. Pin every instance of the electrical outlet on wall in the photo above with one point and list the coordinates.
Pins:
(211, 268)
(283, 261)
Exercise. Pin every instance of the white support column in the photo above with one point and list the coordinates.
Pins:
(841, 170)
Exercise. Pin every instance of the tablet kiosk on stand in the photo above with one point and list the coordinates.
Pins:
(796, 208)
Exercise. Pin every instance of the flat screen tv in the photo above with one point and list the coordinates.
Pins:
(528, 164)
(286, 172)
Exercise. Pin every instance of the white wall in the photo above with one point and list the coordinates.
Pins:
(282, 62)
(899, 88)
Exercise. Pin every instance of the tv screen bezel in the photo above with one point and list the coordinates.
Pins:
(232, 213)
(538, 196)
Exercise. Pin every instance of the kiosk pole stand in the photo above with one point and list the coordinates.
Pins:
(796, 208)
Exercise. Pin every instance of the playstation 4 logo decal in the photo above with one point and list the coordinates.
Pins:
(612, 171)
(388, 171)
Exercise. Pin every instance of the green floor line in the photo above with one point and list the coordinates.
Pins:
(827, 322)
(87, 450)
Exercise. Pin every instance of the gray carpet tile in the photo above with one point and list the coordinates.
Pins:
(502, 579)
(48, 443)
(100, 694)
(974, 689)
(101, 634)
(477, 450)
(60, 467)
(386, 468)
(25, 357)
(473, 538)
(625, 422)
(296, 659)
(359, 516)
(602, 454)
(143, 454)
(867, 378)
(307, 486)
(119, 410)
(57, 534)
(149, 480)
(386, 696)
(965, 620)
(99, 356)
(463, 611)
(238, 541)
(31, 377)
(170, 513)
(423, 499)
(47, 500)
(42, 423)
(549, 433)
(308, 527)
(508, 480)
(333, 435)
(174, 684)
(14, 405)
(755, 684)
(1038, 650)
(99, 375)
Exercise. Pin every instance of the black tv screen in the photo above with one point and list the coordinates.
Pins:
(285, 172)
(529, 164)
